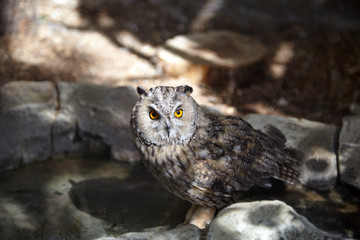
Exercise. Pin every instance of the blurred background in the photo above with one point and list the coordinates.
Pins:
(311, 68)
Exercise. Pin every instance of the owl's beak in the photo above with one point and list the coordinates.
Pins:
(167, 128)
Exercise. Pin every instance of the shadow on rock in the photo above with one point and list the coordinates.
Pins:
(134, 203)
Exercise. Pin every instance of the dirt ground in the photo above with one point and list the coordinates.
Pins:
(311, 70)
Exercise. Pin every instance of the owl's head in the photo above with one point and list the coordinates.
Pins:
(165, 115)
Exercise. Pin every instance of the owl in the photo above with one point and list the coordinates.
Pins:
(206, 159)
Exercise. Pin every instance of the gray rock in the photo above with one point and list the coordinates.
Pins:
(82, 120)
(186, 232)
(27, 111)
(349, 151)
(262, 220)
(316, 140)
(95, 119)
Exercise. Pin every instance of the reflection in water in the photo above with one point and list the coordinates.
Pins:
(134, 203)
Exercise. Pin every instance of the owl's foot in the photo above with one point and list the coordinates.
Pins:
(189, 213)
(199, 216)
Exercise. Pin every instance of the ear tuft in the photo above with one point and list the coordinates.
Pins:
(186, 89)
(141, 91)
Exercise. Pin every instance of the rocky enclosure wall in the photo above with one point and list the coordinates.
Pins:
(44, 120)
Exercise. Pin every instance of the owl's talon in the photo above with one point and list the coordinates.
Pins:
(202, 216)
(190, 213)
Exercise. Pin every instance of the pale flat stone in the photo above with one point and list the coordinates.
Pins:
(315, 140)
(349, 151)
(270, 220)
(193, 55)
(212, 48)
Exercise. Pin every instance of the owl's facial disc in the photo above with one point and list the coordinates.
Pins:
(166, 115)
(167, 124)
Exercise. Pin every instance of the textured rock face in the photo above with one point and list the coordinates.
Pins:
(349, 151)
(27, 110)
(262, 220)
(95, 119)
(316, 140)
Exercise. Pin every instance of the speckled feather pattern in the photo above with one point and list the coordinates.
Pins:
(208, 159)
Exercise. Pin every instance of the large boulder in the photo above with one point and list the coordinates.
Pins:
(43, 120)
(349, 151)
(270, 220)
(315, 140)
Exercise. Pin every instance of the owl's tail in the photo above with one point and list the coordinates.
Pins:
(291, 167)
(290, 160)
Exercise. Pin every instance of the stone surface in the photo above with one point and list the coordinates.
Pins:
(95, 119)
(21, 94)
(27, 110)
(316, 140)
(262, 220)
(349, 151)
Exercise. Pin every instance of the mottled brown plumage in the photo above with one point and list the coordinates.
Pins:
(203, 158)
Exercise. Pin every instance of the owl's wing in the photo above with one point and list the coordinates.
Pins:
(237, 157)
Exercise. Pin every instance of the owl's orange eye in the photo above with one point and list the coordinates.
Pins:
(153, 115)
(178, 113)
